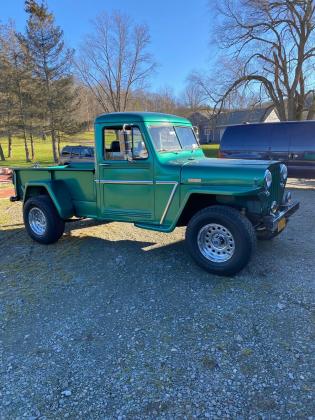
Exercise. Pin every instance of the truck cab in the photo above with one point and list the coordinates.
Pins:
(150, 170)
(139, 164)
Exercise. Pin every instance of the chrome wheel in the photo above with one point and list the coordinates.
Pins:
(216, 243)
(37, 221)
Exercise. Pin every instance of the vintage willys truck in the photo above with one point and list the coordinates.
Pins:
(149, 170)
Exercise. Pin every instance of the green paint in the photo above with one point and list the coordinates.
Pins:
(139, 191)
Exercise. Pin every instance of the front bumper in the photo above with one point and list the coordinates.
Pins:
(272, 221)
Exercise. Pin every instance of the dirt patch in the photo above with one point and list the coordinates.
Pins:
(6, 192)
(5, 178)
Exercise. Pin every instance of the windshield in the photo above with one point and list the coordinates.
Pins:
(167, 138)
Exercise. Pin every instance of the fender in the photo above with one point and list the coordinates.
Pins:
(57, 191)
(213, 191)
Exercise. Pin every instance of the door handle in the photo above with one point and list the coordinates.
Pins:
(104, 164)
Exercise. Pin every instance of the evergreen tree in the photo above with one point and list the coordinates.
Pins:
(15, 87)
(51, 62)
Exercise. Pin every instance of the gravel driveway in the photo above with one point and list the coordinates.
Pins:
(117, 322)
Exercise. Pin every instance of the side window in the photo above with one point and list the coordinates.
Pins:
(86, 152)
(305, 142)
(75, 152)
(66, 151)
(115, 144)
(279, 137)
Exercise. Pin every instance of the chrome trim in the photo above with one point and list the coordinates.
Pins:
(114, 181)
(37, 221)
(216, 243)
(166, 182)
(170, 197)
(271, 221)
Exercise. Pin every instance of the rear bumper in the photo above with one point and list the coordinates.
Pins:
(271, 222)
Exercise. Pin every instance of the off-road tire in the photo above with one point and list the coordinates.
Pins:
(55, 226)
(238, 225)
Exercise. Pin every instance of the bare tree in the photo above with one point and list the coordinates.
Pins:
(89, 107)
(114, 60)
(193, 95)
(270, 45)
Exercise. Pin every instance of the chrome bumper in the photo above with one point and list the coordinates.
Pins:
(271, 222)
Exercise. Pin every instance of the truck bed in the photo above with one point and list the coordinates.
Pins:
(74, 181)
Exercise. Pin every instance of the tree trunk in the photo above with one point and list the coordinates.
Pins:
(2, 158)
(54, 146)
(9, 144)
(58, 144)
(32, 146)
(27, 153)
(311, 111)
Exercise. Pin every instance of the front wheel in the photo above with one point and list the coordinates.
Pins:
(42, 220)
(221, 240)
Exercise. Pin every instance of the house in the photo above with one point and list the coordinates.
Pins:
(211, 127)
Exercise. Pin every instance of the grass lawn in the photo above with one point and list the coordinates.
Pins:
(43, 149)
(210, 150)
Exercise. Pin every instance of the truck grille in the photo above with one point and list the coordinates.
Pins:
(276, 190)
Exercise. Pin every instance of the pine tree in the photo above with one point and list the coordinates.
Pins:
(15, 87)
(51, 62)
(6, 96)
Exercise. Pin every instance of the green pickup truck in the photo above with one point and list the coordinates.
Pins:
(150, 170)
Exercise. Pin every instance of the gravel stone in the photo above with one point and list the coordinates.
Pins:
(66, 393)
(117, 322)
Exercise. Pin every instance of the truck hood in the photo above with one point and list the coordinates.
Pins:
(237, 172)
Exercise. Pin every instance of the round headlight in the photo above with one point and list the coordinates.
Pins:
(283, 172)
(268, 178)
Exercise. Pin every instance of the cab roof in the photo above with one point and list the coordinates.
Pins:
(132, 117)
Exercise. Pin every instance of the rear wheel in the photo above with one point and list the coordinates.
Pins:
(220, 240)
(42, 221)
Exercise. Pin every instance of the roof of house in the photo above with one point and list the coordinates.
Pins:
(198, 118)
(242, 116)
(226, 118)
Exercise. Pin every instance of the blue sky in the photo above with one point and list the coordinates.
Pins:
(180, 30)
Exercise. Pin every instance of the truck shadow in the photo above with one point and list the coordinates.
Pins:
(78, 253)
(87, 255)
(122, 248)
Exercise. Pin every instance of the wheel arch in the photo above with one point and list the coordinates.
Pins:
(198, 200)
(56, 191)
